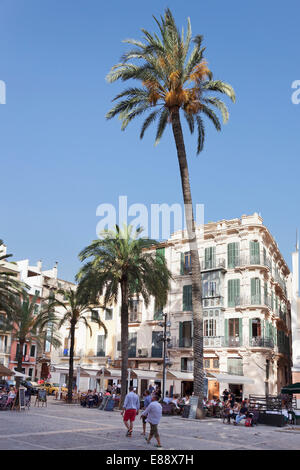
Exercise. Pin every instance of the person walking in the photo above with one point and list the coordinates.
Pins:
(153, 414)
(147, 401)
(130, 410)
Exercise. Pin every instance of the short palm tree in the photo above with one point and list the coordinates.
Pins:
(120, 262)
(27, 325)
(9, 284)
(76, 307)
(172, 82)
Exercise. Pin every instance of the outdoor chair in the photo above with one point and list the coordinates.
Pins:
(3, 401)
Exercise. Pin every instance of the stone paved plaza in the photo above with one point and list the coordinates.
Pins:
(71, 427)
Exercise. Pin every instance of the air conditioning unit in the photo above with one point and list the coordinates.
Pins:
(143, 352)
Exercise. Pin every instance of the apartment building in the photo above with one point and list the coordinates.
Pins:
(246, 312)
(5, 337)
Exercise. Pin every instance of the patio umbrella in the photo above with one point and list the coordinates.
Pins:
(292, 388)
(5, 372)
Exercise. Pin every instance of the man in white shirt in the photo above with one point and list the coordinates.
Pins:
(153, 413)
(131, 408)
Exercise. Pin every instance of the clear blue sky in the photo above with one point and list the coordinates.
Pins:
(60, 158)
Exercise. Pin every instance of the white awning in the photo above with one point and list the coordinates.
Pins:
(232, 379)
(145, 374)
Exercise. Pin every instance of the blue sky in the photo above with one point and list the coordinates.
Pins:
(60, 158)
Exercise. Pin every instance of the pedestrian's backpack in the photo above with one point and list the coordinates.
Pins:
(248, 422)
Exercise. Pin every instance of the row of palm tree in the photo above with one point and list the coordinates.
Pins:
(119, 264)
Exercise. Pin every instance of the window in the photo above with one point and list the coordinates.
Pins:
(156, 349)
(185, 334)
(30, 371)
(210, 257)
(216, 364)
(158, 312)
(187, 304)
(37, 293)
(235, 366)
(256, 328)
(187, 364)
(185, 263)
(210, 284)
(32, 351)
(233, 292)
(207, 363)
(132, 344)
(160, 254)
(101, 346)
(233, 332)
(233, 254)
(119, 345)
(209, 327)
(95, 315)
(255, 291)
(108, 314)
(254, 252)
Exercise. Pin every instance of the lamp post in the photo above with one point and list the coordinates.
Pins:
(165, 340)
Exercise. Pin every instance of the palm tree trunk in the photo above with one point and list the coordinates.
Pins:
(20, 362)
(71, 362)
(196, 270)
(124, 337)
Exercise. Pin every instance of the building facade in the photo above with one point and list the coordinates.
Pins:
(246, 312)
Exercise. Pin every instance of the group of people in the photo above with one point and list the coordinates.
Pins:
(151, 413)
(7, 396)
(92, 398)
(237, 411)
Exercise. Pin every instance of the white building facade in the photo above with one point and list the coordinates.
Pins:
(246, 313)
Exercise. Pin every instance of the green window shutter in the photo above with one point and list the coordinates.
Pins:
(180, 334)
(254, 252)
(233, 252)
(181, 263)
(226, 331)
(187, 298)
(266, 293)
(233, 292)
(210, 257)
(241, 331)
(160, 254)
(255, 291)
(272, 300)
(250, 330)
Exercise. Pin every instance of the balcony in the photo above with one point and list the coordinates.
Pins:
(213, 341)
(259, 342)
(134, 317)
(66, 353)
(246, 301)
(281, 283)
(185, 342)
(243, 261)
(215, 263)
(232, 341)
(217, 301)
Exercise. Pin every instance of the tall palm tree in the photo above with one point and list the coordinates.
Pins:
(76, 305)
(173, 81)
(120, 263)
(27, 325)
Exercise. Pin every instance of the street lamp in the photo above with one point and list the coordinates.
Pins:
(165, 340)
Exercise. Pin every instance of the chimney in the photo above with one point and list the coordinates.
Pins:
(55, 270)
(39, 265)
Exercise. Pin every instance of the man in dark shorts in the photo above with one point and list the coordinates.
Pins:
(130, 410)
(147, 401)
(153, 412)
